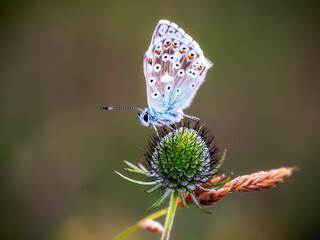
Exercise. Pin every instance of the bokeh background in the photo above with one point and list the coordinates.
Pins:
(59, 60)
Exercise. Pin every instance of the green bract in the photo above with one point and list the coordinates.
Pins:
(179, 158)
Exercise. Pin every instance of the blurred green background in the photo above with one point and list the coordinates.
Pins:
(61, 59)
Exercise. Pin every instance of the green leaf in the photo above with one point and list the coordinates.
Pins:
(135, 181)
(160, 200)
(136, 169)
(222, 183)
(204, 189)
(181, 194)
(222, 159)
(142, 167)
(153, 189)
(194, 199)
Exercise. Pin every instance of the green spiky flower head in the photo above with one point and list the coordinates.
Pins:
(179, 158)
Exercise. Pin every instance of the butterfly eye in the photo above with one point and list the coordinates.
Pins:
(152, 80)
(168, 88)
(165, 57)
(157, 67)
(177, 65)
(155, 94)
(146, 117)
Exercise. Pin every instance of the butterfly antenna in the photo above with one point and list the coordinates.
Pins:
(115, 108)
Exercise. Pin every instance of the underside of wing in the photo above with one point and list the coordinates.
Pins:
(174, 67)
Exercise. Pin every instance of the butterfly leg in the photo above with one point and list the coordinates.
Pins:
(167, 125)
(170, 127)
(191, 117)
(155, 129)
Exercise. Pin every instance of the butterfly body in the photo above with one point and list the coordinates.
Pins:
(174, 68)
(159, 118)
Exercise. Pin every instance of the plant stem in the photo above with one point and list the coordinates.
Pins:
(170, 216)
(135, 227)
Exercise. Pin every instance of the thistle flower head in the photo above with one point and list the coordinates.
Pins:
(179, 158)
(182, 158)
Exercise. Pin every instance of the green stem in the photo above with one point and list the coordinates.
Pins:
(170, 216)
(127, 232)
(136, 226)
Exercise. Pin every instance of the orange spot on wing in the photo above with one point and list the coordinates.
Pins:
(167, 45)
(182, 51)
(149, 60)
(202, 71)
(199, 68)
(158, 52)
(191, 57)
(174, 46)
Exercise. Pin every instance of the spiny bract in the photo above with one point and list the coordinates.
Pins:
(179, 158)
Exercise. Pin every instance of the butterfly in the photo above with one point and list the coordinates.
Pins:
(174, 68)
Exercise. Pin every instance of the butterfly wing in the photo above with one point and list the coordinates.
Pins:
(174, 67)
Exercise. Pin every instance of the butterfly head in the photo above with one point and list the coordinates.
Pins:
(144, 118)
